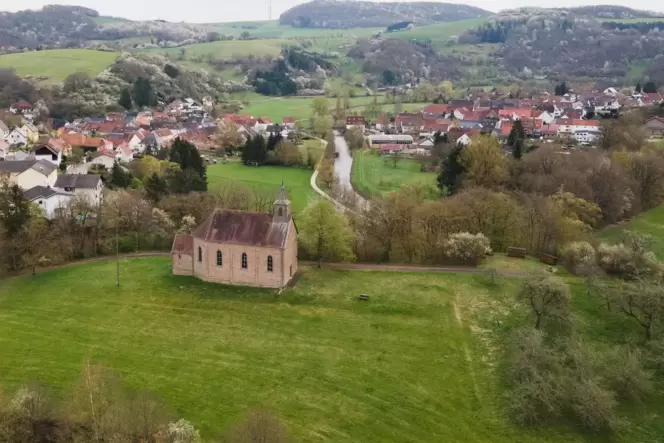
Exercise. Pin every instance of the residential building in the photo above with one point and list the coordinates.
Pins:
(50, 200)
(31, 132)
(355, 121)
(655, 127)
(4, 149)
(241, 247)
(17, 137)
(4, 130)
(106, 159)
(29, 173)
(21, 107)
(586, 136)
(85, 186)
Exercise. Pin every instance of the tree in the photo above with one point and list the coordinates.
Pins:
(561, 89)
(119, 177)
(517, 149)
(517, 133)
(156, 187)
(395, 158)
(451, 171)
(322, 125)
(76, 82)
(171, 70)
(643, 301)
(229, 136)
(143, 93)
(649, 87)
(326, 172)
(254, 151)
(484, 162)
(319, 107)
(547, 297)
(259, 425)
(326, 234)
(637, 89)
(14, 209)
(187, 156)
(288, 154)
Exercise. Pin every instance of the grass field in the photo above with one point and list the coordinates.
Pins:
(56, 64)
(300, 107)
(635, 20)
(651, 222)
(272, 29)
(376, 176)
(267, 178)
(223, 50)
(416, 363)
(438, 34)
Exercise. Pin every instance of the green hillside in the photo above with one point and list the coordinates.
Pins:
(440, 33)
(55, 65)
(650, 222)
(228, 49)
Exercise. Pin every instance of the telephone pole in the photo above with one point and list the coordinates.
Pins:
(269, 9)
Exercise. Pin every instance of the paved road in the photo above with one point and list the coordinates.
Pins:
(343, 165)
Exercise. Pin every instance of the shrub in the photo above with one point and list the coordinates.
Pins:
(466, 248)
(593, 406)
(623, 261)
(626, 375)
(578, 256)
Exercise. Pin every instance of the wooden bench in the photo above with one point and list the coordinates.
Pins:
(516, 252)
(364, 297)
(548, 259)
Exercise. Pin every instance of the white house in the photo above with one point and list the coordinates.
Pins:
(106, 159)
(4, 130)
(29, 173)
(4, 149)
(570, 126)
(546, 117)
(85, 186)
(464, 140)
(48, 153)
(17, 137)
(585, 136)
(50, 200)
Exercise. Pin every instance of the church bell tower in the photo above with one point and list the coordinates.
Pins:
(281, 209)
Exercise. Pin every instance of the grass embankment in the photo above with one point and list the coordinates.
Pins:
(269, 178)
(438, 34)
(56, 64)
(418, 362)
(650, 222)
(374, 176)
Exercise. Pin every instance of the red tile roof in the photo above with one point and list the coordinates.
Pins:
(436, 109)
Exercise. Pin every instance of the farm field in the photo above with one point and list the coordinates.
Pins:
(650, 222)
(376, 176)
(272, 29)
(56, 64)
(268, 178)
(415, 363)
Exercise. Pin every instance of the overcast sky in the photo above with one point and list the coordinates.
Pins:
(202, 11)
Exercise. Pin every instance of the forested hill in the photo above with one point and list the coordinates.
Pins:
(363, 14)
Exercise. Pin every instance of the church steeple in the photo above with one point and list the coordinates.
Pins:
(281, 207)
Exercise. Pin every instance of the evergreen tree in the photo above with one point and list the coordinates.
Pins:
(143, 93)
(517, 133)
(125, 99)
(451, 171)
(649, 87)
(187, 156)
(156, 187)
(517, 149)
(119, 177)
(637, 89)
(14, 209)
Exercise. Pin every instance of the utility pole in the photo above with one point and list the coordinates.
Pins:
(117, 251)
(269, 9)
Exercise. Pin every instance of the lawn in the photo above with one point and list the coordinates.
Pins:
(267, 178)
(375, 176)
(56, 64)
(416, 363)
(650, 222)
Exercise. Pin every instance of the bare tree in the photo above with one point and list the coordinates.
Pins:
(644, 302)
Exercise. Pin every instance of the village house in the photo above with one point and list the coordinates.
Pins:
(50, 200)
(4, 149)
(355, 121)
(568, 126)
(29, 173)
(31, 132)
(288, 123)
(85, 186)
(17, 137)
(4, 130)
(241, 247)
(21, 107)
(655, 127)
(105, 159)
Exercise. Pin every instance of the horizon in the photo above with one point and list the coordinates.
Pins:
(207, 11)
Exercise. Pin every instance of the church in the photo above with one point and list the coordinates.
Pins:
(241, 248)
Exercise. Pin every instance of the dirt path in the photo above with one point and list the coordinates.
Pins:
(337, 266)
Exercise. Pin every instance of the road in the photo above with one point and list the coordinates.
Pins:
(343, 165)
